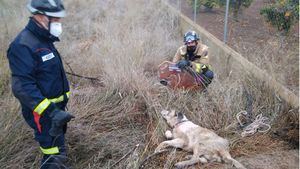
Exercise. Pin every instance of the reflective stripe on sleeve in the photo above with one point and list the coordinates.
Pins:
(68, 94)
(49, 151)
(60, 98)
(40, 108)
(57, 100)
(198, 67)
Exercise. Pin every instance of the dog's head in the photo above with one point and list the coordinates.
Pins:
(172, 117)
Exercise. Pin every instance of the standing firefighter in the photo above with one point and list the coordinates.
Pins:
(195, 55)
(39, 80)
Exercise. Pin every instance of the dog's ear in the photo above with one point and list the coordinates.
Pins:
(180, 116)
(172, 113)
(164, 112)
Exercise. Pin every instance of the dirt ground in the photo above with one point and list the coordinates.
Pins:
(251, 27)
(275, 160)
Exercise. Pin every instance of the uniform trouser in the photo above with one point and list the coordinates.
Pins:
(53, 148)
(206, 77)
(56, 158)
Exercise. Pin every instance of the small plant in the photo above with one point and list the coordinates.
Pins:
(282, 15)
(208, 4)
(236, 6)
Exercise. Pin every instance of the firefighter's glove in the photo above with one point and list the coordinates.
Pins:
(58, 119)
(183, 63)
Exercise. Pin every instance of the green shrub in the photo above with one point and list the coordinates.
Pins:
(235, 5)
(282, 15)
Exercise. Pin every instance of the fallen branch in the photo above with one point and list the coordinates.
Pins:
(141, 165)
(69, 66)
(85, 77)
(72, 73)
(136, 146)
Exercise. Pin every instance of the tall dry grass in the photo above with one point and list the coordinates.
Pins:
(279, 57)
(117, 40)
(121, 43)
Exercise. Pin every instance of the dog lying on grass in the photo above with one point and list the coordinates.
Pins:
(206, 145)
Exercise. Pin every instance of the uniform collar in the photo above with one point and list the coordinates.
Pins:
(41, 33)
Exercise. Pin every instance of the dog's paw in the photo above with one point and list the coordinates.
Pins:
(168, 134)
(203, 160)
(216, 158)
(179, 165)
(157, 150)
(188, 157)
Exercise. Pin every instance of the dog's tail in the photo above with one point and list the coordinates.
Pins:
(228, 159)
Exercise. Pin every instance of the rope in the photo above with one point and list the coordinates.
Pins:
(199, 79)
(256, 126)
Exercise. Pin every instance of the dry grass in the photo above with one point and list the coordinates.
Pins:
(121, 42)
(280, 58)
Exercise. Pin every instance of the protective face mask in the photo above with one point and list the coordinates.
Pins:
(191, 48)
(55, 29)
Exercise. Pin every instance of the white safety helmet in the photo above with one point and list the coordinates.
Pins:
(52, 8)
(190, 36)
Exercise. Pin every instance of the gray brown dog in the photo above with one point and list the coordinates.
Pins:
(206, 145)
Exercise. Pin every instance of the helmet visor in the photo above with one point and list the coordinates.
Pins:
(190, 38)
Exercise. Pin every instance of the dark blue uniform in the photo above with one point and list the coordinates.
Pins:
(39, 82)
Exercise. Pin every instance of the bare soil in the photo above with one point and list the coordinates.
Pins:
(251, 27)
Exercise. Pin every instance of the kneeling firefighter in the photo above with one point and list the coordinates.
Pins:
(195, 55)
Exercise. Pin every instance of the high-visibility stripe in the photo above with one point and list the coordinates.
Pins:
(68, 94)
(57, 100)
(209, 67)
(198, 67)
(49, 151)
(60, 98)
(40, 108)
